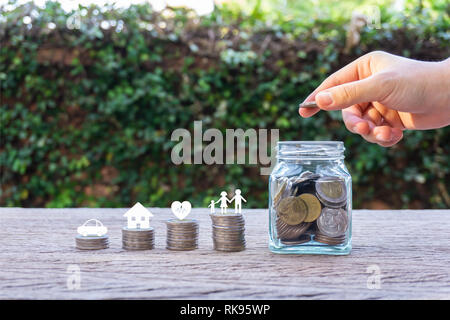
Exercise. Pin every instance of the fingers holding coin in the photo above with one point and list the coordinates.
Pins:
(308, 108)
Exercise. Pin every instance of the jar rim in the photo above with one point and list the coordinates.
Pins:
(310, 150)
(327, 142)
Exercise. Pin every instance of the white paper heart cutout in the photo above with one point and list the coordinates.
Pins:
(181, 209)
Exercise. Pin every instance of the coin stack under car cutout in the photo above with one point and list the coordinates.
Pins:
(228, 232)
(91, 242)
(311, 207)
(92, 235)
(138, 239)
(182, 235)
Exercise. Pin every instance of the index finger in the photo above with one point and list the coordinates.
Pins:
(354, 71)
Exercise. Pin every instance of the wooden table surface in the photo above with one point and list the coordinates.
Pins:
(410, 248)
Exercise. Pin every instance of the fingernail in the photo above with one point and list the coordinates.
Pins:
(380, 137)
(324, 99)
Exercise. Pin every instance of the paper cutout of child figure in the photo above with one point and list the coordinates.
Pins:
(238, 201)
(223, 202)
(213, 210)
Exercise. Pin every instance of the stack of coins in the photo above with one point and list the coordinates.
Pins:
(182, 235)
(91, 242)
(331, 191)
(228, 232)
(288, 232)
(138, 239)
(311, 207)
(332, 241)
(332, 225)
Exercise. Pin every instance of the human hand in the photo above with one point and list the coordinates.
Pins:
(381, 95)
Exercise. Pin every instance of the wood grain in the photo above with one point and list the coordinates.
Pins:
(411, 249)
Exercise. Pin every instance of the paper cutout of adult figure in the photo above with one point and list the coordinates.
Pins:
(223, 202)
(238, 201)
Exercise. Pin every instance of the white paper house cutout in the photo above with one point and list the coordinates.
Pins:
(138, 217)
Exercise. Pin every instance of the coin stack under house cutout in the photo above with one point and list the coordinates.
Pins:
(182, 235)
(311, 207)
(138, 239)
(228, 232)
(91, 242)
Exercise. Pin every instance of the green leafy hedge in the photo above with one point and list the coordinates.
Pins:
(87, 109)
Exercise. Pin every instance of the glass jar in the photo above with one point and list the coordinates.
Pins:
(310, 199)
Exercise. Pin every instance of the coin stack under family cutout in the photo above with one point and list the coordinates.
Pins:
(182, 235)
(91, 242)
(311, 207)
(228, 232)
(138, 239)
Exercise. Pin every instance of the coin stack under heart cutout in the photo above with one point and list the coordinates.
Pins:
(182, 233)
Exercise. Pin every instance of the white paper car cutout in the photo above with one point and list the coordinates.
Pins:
(96, 230)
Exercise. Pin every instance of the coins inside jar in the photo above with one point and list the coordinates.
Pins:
(311, 207)
(301, 240)
(283, 186)
(289, 232)
(333, 222)
(331, 191)
(292, 210)
(319, 237)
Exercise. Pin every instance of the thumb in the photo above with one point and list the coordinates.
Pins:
(348, 94)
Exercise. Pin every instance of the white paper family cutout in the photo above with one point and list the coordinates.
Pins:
(95, 229)
(181, 209)
(224, 202)
(138, 217)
